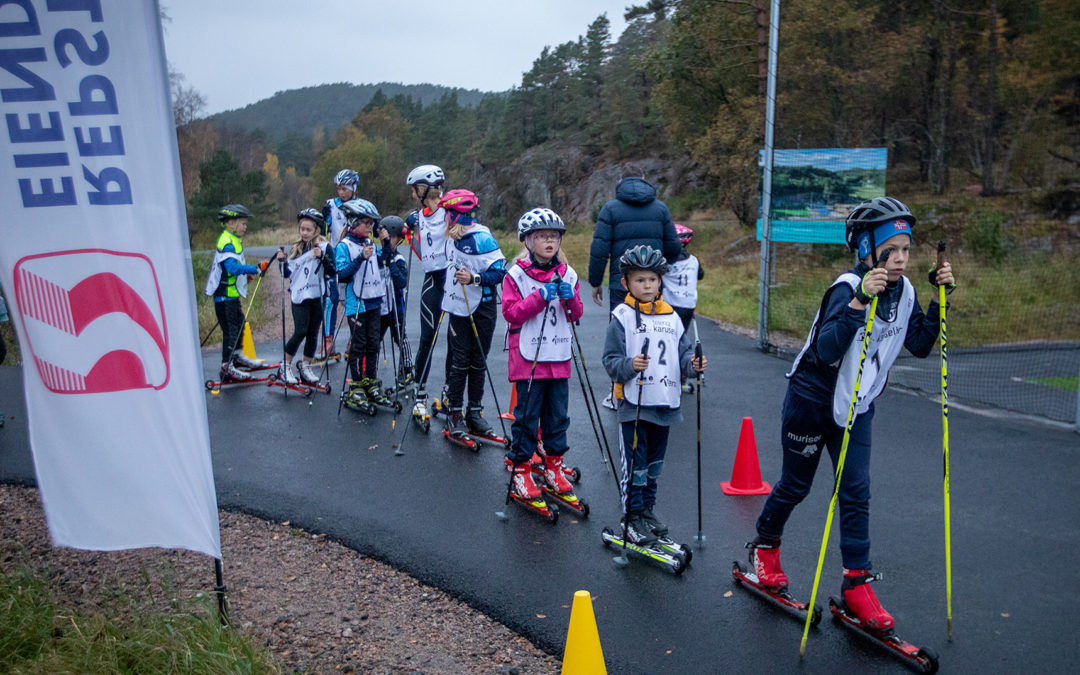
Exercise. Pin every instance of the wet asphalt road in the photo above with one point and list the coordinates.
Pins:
(431, 512)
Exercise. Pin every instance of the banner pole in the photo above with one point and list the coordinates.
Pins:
(220, 590)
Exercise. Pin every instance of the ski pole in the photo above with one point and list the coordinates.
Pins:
(596, 407)
(356, 319)
(528, 388)
(945, 443)
(251, 301)
(476, 334)
(697, 354)
(427, 367)
(212, 329)
(840, 460)
(284, 361)
(594, 421)
(620, 559)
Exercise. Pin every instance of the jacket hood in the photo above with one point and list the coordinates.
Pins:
(635, 190)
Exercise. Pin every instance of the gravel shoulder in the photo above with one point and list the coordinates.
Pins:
(320, 607)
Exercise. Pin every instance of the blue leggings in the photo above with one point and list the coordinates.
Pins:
(806, 426)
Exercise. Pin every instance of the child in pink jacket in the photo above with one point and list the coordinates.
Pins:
(540, 298)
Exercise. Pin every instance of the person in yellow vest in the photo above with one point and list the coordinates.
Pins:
(227, 282)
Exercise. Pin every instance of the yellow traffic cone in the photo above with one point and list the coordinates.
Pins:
(583, 654)
(249, 344)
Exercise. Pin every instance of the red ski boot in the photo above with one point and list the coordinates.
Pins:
(765, 557)
(524, 487)
(554, 476)
(859, 600)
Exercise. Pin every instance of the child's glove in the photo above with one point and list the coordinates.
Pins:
(549, 291)
(946, 274)
(566, 291)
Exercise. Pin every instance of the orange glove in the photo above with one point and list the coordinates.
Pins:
(263, 265)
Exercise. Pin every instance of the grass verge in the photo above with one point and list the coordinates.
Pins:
(39, 636)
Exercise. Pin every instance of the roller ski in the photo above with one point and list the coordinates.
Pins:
(480, 430)
(859, 609)
(454, 429)
(642, 543)
(375, 395)
(309, 377)
(355, 398)
(764, 577)
(421, 414)
(554, 483)
(661, 531)
(285, 379)
(524, 491)
(231, 376)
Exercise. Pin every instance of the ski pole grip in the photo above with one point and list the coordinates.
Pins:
(645, 348)
(884, 257)
(697, 351)
(940, 254)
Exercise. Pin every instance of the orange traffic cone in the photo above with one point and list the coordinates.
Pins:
(746, 474)
(509, 414)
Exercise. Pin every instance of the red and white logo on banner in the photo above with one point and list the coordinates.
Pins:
(94, 320)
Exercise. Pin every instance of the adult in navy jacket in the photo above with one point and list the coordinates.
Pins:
(634, 217)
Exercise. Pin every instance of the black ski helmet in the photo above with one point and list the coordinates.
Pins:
(394, 226)
(868, 215)
(642, 257)
(232, 212)
(311, 214)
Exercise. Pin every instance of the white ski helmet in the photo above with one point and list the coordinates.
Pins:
(539, 219)
(426, 174)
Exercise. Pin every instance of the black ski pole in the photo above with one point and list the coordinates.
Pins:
(212, 329)
(620, 559)
(219, 591)
(360, 301)
(588, 382)
(697, 355)
(480, 345)
(398, 449)
(528, 392)
(285, 365)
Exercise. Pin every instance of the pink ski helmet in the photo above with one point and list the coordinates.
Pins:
(459, 201)
(685, 234)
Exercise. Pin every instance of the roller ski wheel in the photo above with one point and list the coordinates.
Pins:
(781, 598)
(675, 548)
(653, 553)
(461, 440)
(494, 439)
(538, 505)
(302, 389)
(334, 357)
(920, 659)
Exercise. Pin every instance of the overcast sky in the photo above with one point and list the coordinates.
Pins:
(237, 52)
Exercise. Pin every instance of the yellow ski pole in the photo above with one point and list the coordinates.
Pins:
(945, 443)
(840, 460)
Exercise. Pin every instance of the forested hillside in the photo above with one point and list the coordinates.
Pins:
(301, 111)
(973, 99)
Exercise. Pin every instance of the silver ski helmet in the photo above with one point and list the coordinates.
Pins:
(642, 257)
(539, 219)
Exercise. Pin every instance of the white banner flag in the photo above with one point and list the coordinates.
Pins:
(97, 272)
